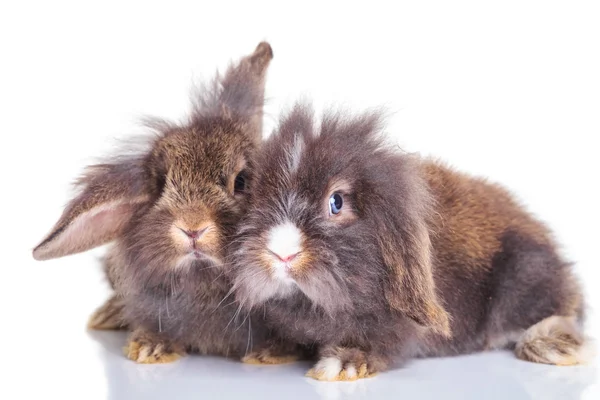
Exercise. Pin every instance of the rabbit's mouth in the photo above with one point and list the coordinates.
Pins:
(197, 251)
(201, 255)
(197, 254)
(196, 257)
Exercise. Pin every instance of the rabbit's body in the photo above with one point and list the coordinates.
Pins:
(496, 272)
(171, 211)
(496, 267)
(373, 257)
(191, 310)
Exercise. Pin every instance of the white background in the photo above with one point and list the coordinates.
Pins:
(508, 90)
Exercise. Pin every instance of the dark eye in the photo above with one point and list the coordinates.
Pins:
(239, 184)
(335, 203)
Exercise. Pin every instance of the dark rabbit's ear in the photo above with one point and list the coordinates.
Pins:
(406, 247)
(411, 289)
(110, 194)
(240, 92)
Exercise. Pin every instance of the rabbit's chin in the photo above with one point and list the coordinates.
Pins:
(253, 288)
(197, 259)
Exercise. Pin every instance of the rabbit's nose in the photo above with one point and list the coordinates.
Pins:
(194, 235)
(285, 258)
(285, 242)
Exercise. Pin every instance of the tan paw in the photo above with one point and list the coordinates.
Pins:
(330, 369)
(555, 340)
(148, 353)
(108, 317)
(264, 357)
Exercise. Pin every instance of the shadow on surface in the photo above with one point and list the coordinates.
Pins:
(496, 375)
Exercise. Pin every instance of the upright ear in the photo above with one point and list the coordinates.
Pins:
(110, 195)
(404, 238)
(240, 92)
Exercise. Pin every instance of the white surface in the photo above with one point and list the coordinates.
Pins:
(508, 90)
(56, 357)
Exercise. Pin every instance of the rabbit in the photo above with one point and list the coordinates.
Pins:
(374, 256)
(170, 211)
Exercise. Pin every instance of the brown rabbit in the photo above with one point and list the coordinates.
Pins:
(373, 256)
(171, 210)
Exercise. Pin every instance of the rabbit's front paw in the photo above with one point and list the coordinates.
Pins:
(332, 369)
(268, 357)
(346, 364)
(147, 348)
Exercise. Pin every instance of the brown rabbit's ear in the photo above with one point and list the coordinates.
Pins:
(111, 194)
(240, 92)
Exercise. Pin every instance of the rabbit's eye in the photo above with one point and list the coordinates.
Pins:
(335, 203)
(239, 184)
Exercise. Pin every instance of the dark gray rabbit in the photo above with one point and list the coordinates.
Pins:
(371, 256)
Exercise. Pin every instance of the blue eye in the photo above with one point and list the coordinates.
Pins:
(335, 203)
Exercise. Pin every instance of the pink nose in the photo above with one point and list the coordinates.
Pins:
(287, 258)
(193, 234)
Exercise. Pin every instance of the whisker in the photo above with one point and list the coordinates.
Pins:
(209, 267)
(218, 276)
(249, 344)
(234, 316)
(230, 303)
(243, 322)
(226, 296)
(167, 305)
(159, 320)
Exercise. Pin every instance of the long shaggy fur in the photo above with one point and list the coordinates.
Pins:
(172, 210)
(421, 261)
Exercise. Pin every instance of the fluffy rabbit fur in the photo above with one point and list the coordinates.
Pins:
(171, 210)
(419, 260)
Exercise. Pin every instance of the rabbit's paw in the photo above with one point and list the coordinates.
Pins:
(556, 340)
(146, 348)
(269, 357)
(149, 353)
(347, 364)
(333, 369)
(109, 316)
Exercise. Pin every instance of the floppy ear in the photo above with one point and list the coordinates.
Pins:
(240, 93)
(411, 289)
(406, 247)
(110, 195)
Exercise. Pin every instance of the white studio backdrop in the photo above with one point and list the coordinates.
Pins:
(508, 90)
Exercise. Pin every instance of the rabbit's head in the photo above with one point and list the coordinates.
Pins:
(176, 202)
(337, 218)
